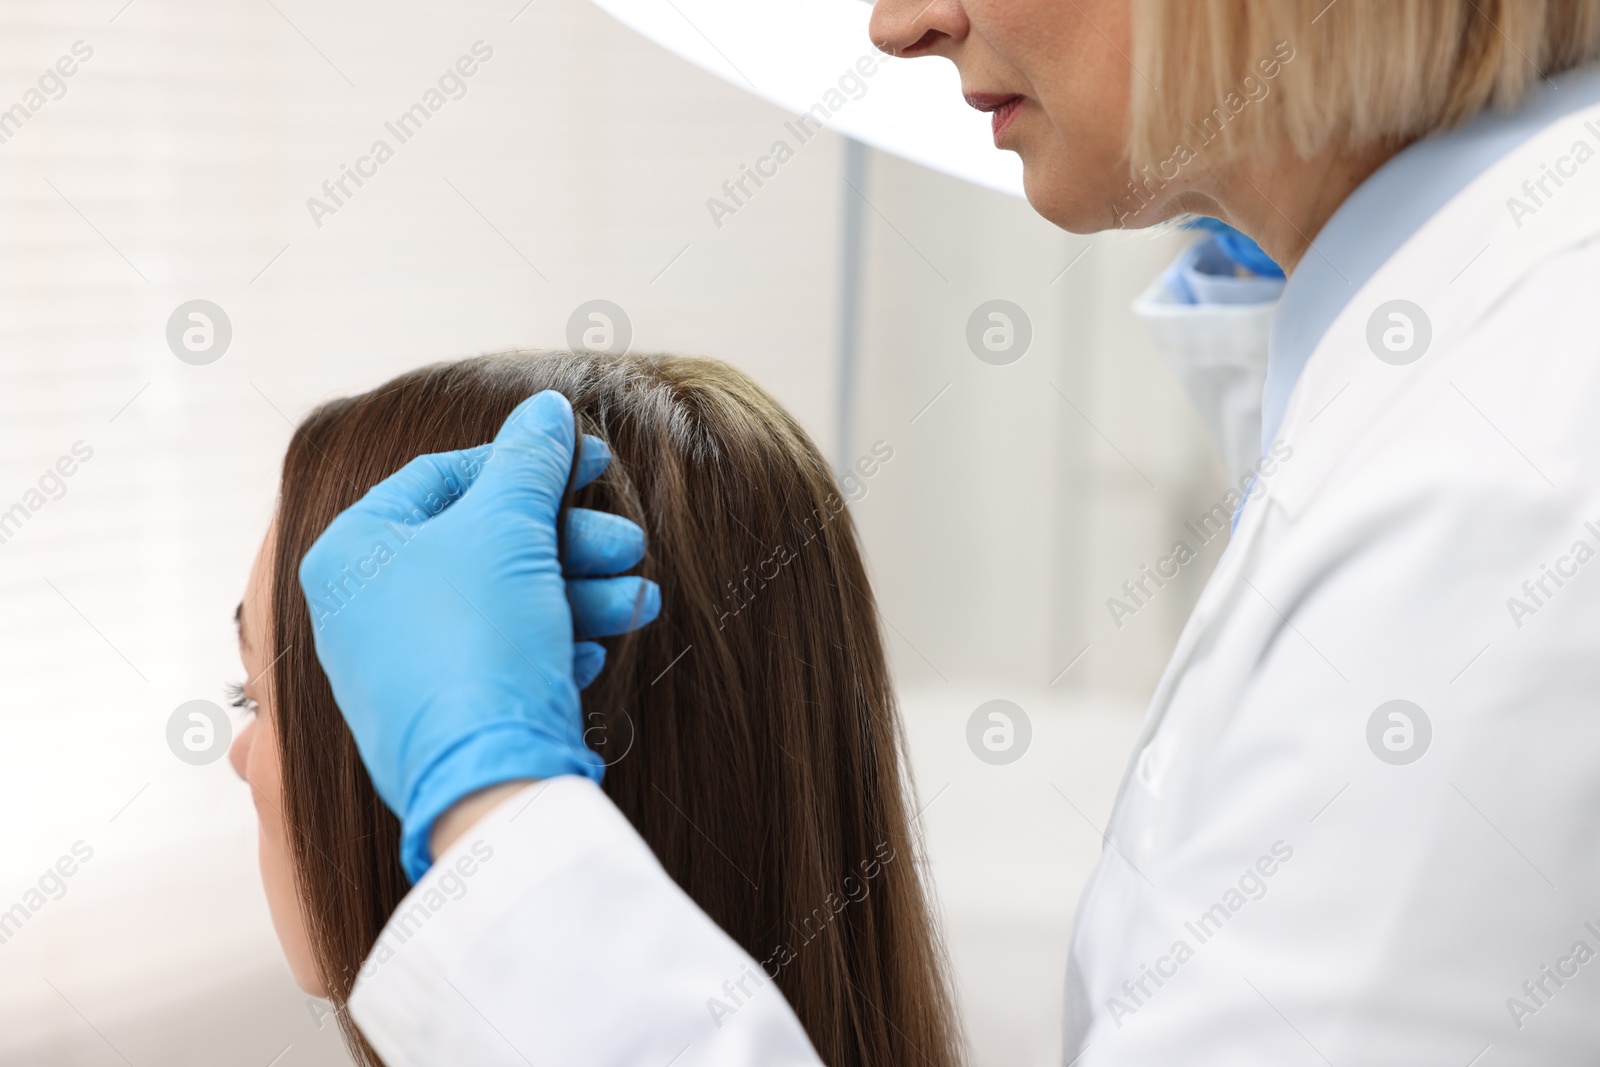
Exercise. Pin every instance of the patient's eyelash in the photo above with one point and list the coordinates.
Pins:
(237, 699)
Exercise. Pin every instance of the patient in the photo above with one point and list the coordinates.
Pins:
(763, 767)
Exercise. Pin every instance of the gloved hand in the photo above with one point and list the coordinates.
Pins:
(455, 665)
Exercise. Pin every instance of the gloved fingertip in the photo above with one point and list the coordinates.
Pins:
(588, 657)
(599, 543)
(648, 604)
(544, 414)
(594, 456)
(606, 607)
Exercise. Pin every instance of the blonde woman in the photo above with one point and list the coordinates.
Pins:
(1360, 826)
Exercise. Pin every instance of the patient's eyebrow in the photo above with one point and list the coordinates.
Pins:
(238, 622)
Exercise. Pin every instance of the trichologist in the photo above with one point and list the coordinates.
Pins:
(1362, 821)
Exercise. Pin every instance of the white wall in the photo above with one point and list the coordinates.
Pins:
(1013, 508)
(1027, 493)
(177, 166)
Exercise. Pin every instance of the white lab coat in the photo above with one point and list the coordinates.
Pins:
(550, 935)
(1334, 907)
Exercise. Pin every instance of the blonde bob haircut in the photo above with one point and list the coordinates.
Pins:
(1221, 78)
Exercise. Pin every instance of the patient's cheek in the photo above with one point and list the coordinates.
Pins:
(262, 770)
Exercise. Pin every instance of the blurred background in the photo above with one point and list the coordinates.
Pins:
(175, 164)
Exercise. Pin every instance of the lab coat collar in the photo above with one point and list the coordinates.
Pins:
(1449, 274)
(1385, 212)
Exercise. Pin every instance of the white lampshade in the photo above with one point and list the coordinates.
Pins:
(794, 53)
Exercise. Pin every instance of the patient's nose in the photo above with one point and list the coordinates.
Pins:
(239, 751)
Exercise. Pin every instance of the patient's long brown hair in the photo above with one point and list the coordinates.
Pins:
(751, 731)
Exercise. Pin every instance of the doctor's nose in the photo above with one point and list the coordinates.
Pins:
(911, 28)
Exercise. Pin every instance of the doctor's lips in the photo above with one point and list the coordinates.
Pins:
(1002, 108)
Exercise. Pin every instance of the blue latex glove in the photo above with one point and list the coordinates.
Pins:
(456, 665)
(1238, 247)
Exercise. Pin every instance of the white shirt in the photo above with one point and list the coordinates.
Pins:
(1280, 885)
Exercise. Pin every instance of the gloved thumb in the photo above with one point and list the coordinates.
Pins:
(530, 460)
